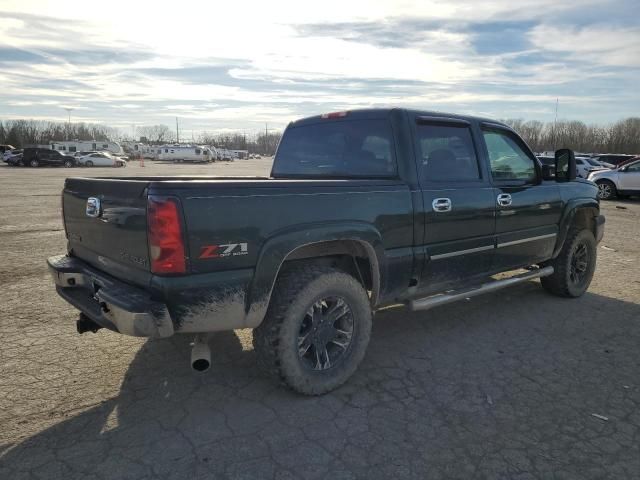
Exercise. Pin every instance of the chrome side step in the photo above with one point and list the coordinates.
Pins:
(443, 298)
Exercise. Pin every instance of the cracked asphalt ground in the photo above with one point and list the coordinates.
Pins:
(503, 386)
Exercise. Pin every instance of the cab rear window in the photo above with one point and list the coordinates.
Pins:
(345, 148)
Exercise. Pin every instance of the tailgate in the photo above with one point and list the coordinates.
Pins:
(110, 234)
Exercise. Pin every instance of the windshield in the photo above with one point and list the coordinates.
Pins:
(347, 148)
(595, 163)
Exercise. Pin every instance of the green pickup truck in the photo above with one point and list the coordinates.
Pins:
(363, 209)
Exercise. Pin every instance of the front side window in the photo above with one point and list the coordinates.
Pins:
(634, 167)
(508, 159)
(197, 151)
(446, 153)
(347, 148)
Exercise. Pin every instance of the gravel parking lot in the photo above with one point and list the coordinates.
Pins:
(513, 385)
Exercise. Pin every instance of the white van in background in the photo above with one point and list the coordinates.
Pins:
(180, 153)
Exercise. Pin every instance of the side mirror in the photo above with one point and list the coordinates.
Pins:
(565, 165)
(548, 172)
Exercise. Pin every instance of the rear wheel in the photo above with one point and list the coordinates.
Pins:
(606, 189)
(34, 163)
(574, 266)
(316, 330)
(68, 164)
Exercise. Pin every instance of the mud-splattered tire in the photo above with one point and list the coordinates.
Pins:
(574, 266)
(310, 303)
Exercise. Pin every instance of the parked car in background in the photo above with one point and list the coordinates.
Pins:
(586, 165)
(84, 153)
(10, 153)
(632, 159)
(619, 182)
(611, 160)
(15, 160)
(37, 157)
(4, 148)
(226, 155)
(101, 159)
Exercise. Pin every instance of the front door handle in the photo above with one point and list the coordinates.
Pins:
(441, 205)
(504, 200)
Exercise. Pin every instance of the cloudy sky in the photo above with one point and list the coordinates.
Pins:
(236, 65)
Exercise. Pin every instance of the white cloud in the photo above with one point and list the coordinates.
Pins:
(599, 44)
(259, 43)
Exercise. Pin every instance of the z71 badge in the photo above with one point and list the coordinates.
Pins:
(224, 250)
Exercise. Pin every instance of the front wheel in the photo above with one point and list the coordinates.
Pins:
(574, 266)
(316, 330)
(68, 164)
(606, 190)
(34, 163)
(88, 163)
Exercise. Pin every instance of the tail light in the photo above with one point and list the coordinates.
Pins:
(166, 242)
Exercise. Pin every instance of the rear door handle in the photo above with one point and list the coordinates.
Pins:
(504, 200)
(441, 205)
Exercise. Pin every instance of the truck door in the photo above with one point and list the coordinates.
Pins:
(459, 207)
(528, 209)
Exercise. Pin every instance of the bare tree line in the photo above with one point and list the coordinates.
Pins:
(20, 133)
(265, 144)
(620, 137)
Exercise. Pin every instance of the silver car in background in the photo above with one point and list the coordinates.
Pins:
(620, 182)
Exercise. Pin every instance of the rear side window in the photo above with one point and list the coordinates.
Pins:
(347, 148)
(508, 159)
(446, 153)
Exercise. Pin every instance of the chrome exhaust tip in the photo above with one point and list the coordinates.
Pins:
(200, 353)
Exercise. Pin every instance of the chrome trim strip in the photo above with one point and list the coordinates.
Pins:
(461, 252)
(525, 240)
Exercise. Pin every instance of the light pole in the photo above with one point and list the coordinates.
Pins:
(69, 110)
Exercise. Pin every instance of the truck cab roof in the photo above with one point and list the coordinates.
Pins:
(380, 113)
